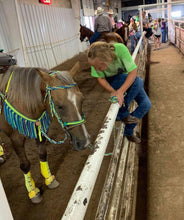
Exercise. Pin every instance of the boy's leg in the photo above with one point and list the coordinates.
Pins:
(143, 107)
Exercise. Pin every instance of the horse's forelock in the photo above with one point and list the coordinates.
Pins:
(65, 77)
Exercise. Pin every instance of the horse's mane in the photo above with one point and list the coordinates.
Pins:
(87, 29)
(24, 88)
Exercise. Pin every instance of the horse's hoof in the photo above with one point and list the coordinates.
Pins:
(54, 184)
(37, 199)
(2, 160)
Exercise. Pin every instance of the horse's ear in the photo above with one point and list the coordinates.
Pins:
(75, 69)
(80, 25)
(45, 76)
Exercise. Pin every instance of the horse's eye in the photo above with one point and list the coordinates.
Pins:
(60, 107)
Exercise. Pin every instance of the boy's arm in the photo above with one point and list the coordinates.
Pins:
(103, 82)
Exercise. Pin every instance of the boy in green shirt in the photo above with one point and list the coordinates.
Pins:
(115, 70)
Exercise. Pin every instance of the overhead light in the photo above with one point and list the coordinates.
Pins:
(176, 14)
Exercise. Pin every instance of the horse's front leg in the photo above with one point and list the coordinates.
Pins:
(18, 142)
(50, 180)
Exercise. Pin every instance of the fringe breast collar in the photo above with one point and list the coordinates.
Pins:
(26, 126)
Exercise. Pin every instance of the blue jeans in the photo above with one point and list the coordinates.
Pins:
(135, 92)
(138, 36)
(163, 35)
(94, 37)
(133, 42)
(166, 34)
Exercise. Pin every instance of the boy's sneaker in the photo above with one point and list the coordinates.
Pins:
(130, 119)
(133, 138)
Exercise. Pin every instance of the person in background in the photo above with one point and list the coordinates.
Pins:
(146, 27)
(119, 23)
(137, 17)
(149, 17)
(110, 14)
(115, 71)
(163, 29)
(133, 30)
(166, 31)
(157, 33)
(116, 18)
(129, 16)
(102, 24)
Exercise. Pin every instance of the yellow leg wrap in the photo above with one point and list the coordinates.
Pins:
(45, 171)
(33, 193)
(30, 185)
(1, 151)
(49, 180)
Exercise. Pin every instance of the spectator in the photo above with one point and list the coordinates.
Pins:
(115, 70)
(146, 27)
(129, 16)
(110, 14)
(166, 31)
(163, 29)
(102, 24)
(116, 18)
(157, 33)
(133, 33)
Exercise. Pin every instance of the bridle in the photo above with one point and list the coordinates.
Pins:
(65, 125)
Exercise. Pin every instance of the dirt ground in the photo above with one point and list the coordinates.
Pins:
(66, 164)
(165, 167)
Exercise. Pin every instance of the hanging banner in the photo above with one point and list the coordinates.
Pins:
(88, 7)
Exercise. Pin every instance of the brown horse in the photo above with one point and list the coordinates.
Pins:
(123, 31)
(107, 37)
(29, 98)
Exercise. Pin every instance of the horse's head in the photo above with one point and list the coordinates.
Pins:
(82, 33)
(85, 32)
(67, 103)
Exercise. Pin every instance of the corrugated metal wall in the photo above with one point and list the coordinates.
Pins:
(43, 36)
(49, 34)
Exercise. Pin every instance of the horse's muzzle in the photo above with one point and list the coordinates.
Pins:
(80, 144)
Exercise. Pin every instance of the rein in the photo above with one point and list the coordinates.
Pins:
(36, 128)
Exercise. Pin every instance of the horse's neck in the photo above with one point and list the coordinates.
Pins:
(89, 33)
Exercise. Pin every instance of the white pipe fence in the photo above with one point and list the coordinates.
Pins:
(79, 201)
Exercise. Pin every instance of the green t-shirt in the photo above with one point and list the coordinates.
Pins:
(123, 60)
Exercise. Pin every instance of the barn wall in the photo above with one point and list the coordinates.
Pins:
(10, 38)
(40, 35)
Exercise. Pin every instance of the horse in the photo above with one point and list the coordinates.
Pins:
(29, 99)
(123, 31)
(107, 37)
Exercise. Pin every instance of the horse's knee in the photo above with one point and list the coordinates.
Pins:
(43, 155)
(25, 167)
